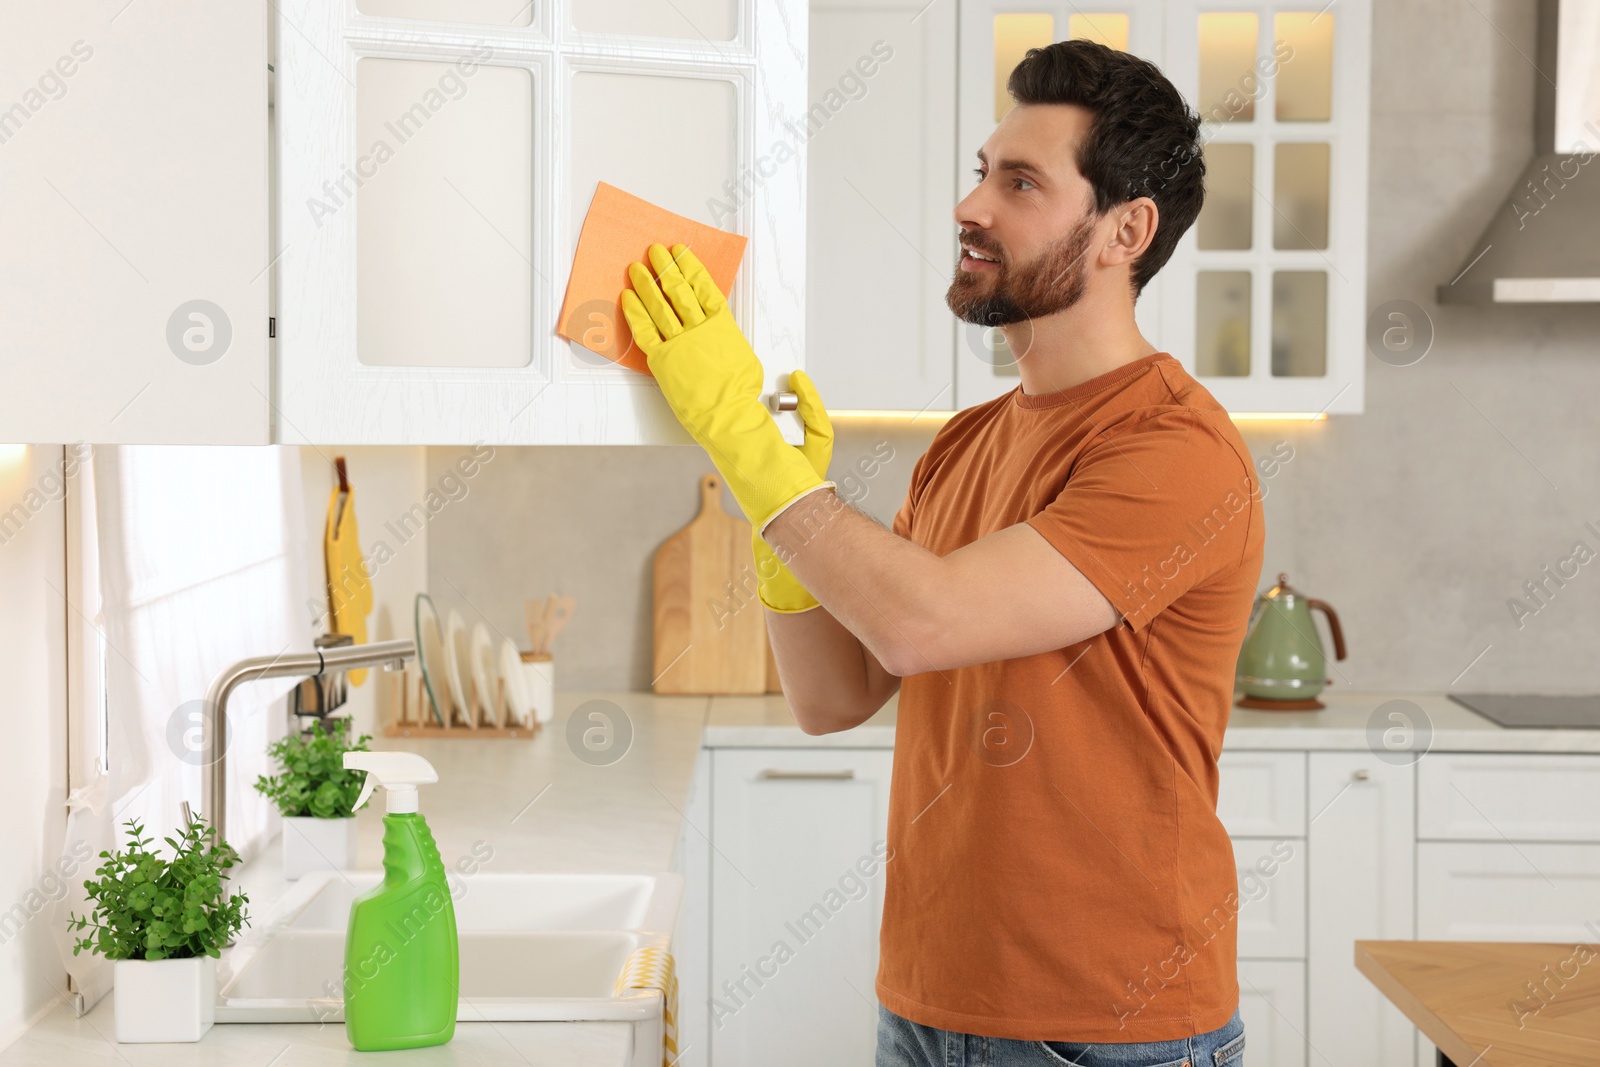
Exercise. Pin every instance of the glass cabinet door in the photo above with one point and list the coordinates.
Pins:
(1265, 294)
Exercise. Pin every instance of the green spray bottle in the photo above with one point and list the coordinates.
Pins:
(402, 962)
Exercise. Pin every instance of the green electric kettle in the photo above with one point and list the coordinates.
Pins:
(1281, 664)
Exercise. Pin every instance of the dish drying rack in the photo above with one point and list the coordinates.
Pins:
(454, 692)
(411, 714)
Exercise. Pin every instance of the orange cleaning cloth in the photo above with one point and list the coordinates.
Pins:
(619, 229)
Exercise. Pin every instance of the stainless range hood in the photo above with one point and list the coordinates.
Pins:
(1542, 246)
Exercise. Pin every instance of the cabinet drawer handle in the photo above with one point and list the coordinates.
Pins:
(784, 401)
(815, 776)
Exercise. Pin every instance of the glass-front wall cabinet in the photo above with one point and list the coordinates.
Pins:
(1263, 299)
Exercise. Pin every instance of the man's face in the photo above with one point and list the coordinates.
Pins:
(1031, 213)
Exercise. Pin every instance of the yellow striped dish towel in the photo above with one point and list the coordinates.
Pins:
(651, 967)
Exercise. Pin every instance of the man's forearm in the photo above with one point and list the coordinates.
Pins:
(830, 681)
(881, 587)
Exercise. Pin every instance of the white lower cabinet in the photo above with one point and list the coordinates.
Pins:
(1525, 891)
(1262, 794)
(797, 880)
(1272, 897)
(692, 859)
(1507, 850)
(1508, 796)
(1272, 1000)
(782, 849)
(1360, 843)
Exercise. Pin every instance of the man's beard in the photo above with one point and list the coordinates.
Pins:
(1053, 282)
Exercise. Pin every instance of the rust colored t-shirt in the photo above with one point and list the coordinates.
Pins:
(1058, 870)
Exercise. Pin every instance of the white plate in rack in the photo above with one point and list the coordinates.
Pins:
(486, 674)
(519, 699)
(458, 661)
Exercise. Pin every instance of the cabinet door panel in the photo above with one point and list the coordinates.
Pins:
(487, 12)
(700, 20)
(444, 227)
(881, 189)
(794, 927)
(1361, 840)
(1272, 897)
(463, 359)
(1272, 1001)
(691, 939)
(1509, 797)
(133, 223)
(681, 165)
(1507, 892)
(1262, 794)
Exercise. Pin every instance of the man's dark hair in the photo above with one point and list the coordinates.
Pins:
(1143, 138)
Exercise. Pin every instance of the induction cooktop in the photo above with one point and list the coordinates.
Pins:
(1534, 711)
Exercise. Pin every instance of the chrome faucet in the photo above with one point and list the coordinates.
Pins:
(391, 655)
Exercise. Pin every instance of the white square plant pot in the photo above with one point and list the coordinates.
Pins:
(312, 844)
(165, 1000)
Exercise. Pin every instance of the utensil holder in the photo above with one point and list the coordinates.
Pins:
(540, 669)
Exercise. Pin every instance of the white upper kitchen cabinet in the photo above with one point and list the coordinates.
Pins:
(436, 159)
(134, 282)
(431, 165)
(882, 246)
(1264, 298)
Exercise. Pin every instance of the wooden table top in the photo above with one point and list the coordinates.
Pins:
(1494, 1004)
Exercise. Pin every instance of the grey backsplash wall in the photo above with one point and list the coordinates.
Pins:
(587, 522)
(1468, 475)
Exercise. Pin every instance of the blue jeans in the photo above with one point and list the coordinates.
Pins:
(903, 1043)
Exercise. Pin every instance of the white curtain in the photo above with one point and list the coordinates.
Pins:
(202, 557)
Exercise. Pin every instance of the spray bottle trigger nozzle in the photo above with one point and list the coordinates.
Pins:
(398, 772)
(366, 791)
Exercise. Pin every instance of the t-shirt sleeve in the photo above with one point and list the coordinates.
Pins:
(1153, 511)
(902, 518)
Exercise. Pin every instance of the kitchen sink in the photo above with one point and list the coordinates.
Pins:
(534, 947)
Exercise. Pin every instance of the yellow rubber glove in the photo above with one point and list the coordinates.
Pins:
(777, 587)
(712, 382)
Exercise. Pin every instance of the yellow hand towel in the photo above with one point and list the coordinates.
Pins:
(651, 967)
(349, 587)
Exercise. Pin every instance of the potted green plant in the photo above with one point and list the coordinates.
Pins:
(316, 796)
(163, 922)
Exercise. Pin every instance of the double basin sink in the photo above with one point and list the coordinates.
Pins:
(534, 947)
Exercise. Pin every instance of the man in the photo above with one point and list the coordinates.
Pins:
(1061, 602)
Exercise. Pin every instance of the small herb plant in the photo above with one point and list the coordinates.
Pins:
(312, 779)
(148, 907)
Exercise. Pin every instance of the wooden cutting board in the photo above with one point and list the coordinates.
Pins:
(710, 633)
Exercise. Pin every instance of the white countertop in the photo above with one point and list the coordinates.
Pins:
(534, 805)
(60, 1040)
(1351, 721)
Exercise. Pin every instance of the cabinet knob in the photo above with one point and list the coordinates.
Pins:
(1361, 775)
(784, 401)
